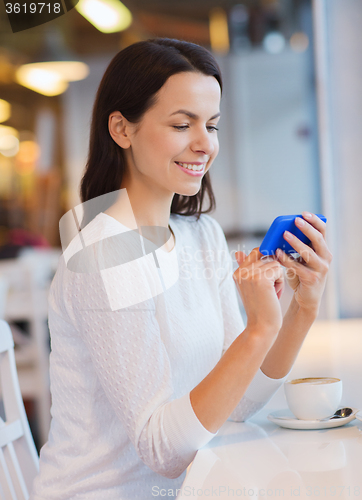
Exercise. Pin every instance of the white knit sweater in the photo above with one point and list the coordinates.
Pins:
(122, 421)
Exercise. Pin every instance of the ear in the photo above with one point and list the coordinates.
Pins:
(119, 129)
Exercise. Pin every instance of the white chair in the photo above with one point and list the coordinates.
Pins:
(3, 295)
(19, 461)
(28, 279)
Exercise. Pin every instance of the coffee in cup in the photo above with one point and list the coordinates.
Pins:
(313, 398)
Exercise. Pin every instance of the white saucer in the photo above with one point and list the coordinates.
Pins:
(359, 415)
(285, 418)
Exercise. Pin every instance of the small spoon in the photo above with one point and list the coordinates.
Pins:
(341, 413)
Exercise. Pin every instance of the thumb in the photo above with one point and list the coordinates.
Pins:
(240, 257)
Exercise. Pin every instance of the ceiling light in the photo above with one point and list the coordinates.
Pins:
(5, 110)
(218, 27)
(56, 67)
(5, 130)
(51, 78)
(9, 145)
(107, 16)
(46, 82)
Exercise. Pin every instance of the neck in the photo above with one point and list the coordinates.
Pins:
(141, 207)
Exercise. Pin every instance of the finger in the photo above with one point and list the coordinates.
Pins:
(240, 257)
(291, 264)
(316, 222)
(271, 271)
(306, 252)
(316, 237)
(253, 256)
(279, 287)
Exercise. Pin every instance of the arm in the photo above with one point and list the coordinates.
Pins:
(217, 396)
(262, 387)
(307, 277)
(220, 393)
(257, 346)
(280, 358)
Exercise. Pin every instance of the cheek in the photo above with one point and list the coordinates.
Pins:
(216, 147)
(163, 143)
(172, 145)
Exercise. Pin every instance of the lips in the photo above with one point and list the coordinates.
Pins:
(195, 167)
(185, 167)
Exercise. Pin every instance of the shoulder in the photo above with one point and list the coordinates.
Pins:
(206, 227)
(211, 225)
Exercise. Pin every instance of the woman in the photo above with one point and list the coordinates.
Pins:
(144, 375)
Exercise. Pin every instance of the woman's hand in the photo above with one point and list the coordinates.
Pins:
(307, 275)
(260, 283)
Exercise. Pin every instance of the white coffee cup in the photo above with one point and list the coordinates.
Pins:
(313, 398)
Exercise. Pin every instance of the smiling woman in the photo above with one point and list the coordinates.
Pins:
(134, 83)
(149, 357)
(162, 147)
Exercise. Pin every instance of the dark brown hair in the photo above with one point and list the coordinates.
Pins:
(129, 85)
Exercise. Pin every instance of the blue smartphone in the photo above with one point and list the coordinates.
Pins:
(274, 237)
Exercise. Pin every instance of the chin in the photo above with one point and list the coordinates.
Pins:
(189, 191)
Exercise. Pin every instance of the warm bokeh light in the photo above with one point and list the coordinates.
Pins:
(6, 130)
(24, 168)
(6, 176)
(299, 42)
(219, 33)
(5, 110)
(107, 16)
(70, 71)
(51, 78)
(29, 152)
(9, 145)
(41, 80)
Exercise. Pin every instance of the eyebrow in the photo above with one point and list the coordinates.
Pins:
(191, 115)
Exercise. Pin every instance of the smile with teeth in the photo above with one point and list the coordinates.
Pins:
(191, 166)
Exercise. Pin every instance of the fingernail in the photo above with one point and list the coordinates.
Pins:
(278, 252)
(288, 235)
(307, 215)
(300, 221)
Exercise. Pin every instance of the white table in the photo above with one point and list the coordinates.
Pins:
(257, 459)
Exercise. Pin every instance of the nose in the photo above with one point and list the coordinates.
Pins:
(204, 142)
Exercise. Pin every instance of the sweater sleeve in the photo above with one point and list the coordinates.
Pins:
(261, 388)
(133, 366)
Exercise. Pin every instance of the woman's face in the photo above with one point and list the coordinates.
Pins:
(176, 133)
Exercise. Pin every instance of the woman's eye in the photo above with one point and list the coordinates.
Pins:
(180, 127)
(211, 128)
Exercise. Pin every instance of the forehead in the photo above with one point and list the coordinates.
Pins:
(189, 90)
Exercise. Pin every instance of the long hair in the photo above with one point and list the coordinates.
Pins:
(129, 85)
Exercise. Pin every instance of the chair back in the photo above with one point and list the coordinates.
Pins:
(3, 295)
(19, 462)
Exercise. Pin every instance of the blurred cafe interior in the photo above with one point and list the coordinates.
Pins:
(290, 140)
